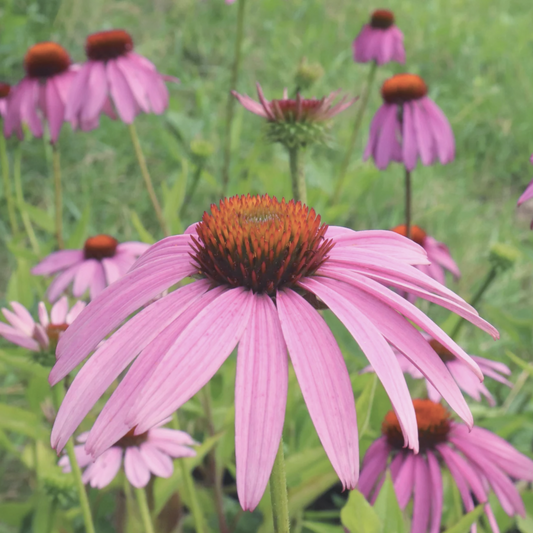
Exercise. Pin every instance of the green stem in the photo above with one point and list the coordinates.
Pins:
(144, 510)
(355, 132)
(278, 493)
(192, 189)
(216, 476)
(230, 106)
(190, 489)
(58, 195)
(491, 276)
(7, 184)
(408, 205)
(147, 178)
(299, 189)
(20, 200)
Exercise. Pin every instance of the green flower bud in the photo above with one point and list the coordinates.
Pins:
(503, 256)
(307, 74)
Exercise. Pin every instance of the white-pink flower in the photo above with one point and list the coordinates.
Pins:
(24, 331)
(102, 261)
(143, 455)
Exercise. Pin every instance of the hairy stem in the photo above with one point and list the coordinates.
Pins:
(230, 106)
(142, 500)
(58, 195)
(296, 161)
(278, 493)
(408, 206)
(355, 132)
(7, 183)
(147, 179)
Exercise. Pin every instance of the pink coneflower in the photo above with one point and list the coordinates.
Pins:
(114, 70)
(262, 265)
(146, 454)
(478, 461)
(41, 96)
(468, 382)
(42, 335)
(380, 41)
(438, 254)
(102, 261)
(527, 195)
(5, 89)
(409, 125)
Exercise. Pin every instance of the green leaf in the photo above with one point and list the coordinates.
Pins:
(521, 363)
(387, 508)
(22, 362)
(13, 513)
(41, 218)
(364, 404)
(77, 237)
(463, 526)
(21, 421)
(359, 516)
(319, 527)
(19, 287)
(144, 234)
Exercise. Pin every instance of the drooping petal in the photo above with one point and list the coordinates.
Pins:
(55, 109)
(324, 381)
(374, 464)
(43, 315)
(376, 349)
(57, 261)
(104, 470)
(158, 462)
(18, 338)
(436, 492)
(409, 144)
(404, 480)
(121, 92)
(59, 311)
(526, 195)
(84, 277)
(24, 315)
(61, 282)
(260, 398)
(135, 467)
(422, 497)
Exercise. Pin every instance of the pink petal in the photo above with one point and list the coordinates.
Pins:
(59, 311)
(24, 315)
(260, 398)
(55, 109)
(436, 492)
(14, 336)
(106, 467)
(196, 355)
(133, 247)
(442, 131)
(324, 381)
(57, 261)
(173, 247)
(422, 498)
(527, 195)
(376, 349)
(61, 282)
(404, 480)
(374, 464)
(422, 131)
(134, 81)
(135, 467)
(77, 94)
(158, 435)
(409, 145)
(387, 145)
(84, 277)
(121, 92)
(158, 463)
(43, 315)
(76, 309)
(375, 127)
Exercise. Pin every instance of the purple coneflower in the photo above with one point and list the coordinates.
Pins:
(438, 254)
(102, 261)
(527, 195)
(380, 40)
(468, 382)
(262, 264)
(41, 96)
(5, 89)
(42, 335)
(409, 125)
(146, 454)
(114, 70)
(477, 459)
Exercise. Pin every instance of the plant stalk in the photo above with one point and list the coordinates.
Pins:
(278, 493)
(230, 106)
(147, 178)
(58, 194)
(7, 183)
(296, 161)
(355, 132)
(408, 205)
(142, 500)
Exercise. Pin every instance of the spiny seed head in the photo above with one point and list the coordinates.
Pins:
(46, 59)
(106, 45)
(442, 351)
(100, 246)
(54, 331)
(5, 89)
(403, 88)
(259, 243)
(417, 234)
(382, 19)
(433, 421)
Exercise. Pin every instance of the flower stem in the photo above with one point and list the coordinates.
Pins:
(216, 477)
(407, 204)
(278, 493)
(192, 189)
(355, 132)
(7, 184)
(19, 196)
(230, 106)
(299, 189)
(144, 510)
(190, 488)
(147, 179)
(487, 282)
(58, 196)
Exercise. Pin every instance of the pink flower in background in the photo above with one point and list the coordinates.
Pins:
(438, 254)
(102, 261)
(42, 335)
(5, 89)
(468, 382)
(41, 96)
(527, 195)
(259, 265)
(113, 71)
(477, 460)
(380, 40)
(146, 454)
(409, 125)
(294, 109)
